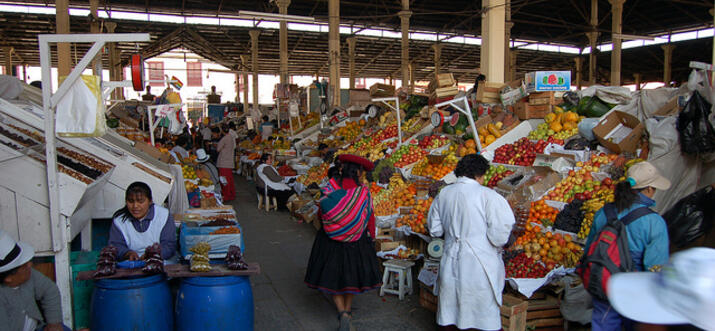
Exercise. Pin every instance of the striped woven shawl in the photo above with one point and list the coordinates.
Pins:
(345, 213)
(330, 187)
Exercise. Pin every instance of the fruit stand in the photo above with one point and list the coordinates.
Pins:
(553, 178)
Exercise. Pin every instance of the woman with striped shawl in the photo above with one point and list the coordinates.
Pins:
(343, 262)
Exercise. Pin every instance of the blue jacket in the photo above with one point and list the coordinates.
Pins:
(647, 236)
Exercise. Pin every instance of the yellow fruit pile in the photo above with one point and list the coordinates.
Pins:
(489, 133)
(469, 147)
(549, 247)
(349, 132)
(188, 172)
(590, 208)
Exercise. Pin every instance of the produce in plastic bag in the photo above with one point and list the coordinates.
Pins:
(696, 132)
(577, 144)
(80, 113)
(200, 258)
(691, 217)
(592, 107)
(234, 259)
(154, 262)
(107, 262)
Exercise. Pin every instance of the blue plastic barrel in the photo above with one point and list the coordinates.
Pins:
(214, 303)
(142, 303)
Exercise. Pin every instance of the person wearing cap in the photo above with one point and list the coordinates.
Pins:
(683, 292)
(140, 224)
(647, 235)
(203, 159)
(28, 300)
(269, 181)
(343, 261)
(476, 223)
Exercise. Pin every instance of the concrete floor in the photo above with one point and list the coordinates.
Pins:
(282, 301)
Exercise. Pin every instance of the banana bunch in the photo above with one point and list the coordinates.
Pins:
(571, 259)
(396, 181)
(590, 208)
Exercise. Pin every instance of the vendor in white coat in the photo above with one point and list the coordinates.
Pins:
(140, 224)
(476, 222)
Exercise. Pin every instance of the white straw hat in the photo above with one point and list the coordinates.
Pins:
(13, 254)
(201, 155)
(682, 293)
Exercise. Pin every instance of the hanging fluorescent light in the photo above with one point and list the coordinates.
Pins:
(253, 15)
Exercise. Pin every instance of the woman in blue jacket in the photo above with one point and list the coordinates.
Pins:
(647, 235)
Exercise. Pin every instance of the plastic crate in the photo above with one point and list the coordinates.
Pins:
(82, 289)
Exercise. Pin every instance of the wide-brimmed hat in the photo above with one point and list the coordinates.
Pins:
(365, 163)
(645, 174)
(201, 155)
(13, 254)
(683, 292)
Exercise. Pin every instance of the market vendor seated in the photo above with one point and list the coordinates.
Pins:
(268, 177)
(140, 224)
(28, 299)
(203, 159)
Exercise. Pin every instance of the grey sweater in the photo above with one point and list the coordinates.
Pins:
(38, 298)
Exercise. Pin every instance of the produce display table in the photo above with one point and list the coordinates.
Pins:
(178, 270)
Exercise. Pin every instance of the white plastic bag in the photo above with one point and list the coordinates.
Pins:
(80, 113)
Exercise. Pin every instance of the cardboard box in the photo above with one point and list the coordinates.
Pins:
(378, 90)
(152, 151)
(541, 81)
(619, 132)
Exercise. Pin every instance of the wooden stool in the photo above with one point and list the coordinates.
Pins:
(403, 269)
(267, 202)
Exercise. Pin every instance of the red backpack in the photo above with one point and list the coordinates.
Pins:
(608, 254)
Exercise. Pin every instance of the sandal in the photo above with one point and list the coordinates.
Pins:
(345, 324)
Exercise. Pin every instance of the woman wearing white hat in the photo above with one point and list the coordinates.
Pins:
(28, 300)
(203, 159)
(647, 235)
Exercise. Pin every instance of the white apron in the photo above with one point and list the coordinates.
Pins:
(269, 183)
(139, 241)
(475, 221)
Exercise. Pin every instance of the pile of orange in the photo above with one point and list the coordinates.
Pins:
(435, 171)
(416, 219)
(542, 213)
(350, 131)
(551, 248)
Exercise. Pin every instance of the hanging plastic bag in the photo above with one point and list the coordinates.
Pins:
(691, 217)
(80, 113)
(696, 132)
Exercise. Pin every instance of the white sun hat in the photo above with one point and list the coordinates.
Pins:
(201, 155)
(682, 293)
(13, 254)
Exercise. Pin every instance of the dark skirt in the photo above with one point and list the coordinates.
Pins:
(338, 267)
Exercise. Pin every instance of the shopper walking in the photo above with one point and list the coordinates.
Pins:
(647, 235)
(476, 222)
(343, 262)
(225, 163)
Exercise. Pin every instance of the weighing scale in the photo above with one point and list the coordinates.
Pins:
(434, 251)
